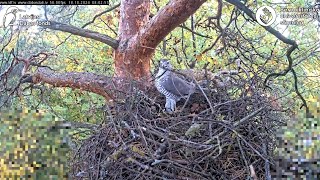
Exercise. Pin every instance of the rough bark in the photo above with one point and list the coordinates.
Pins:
(137, 39)
(168, 18)
(84, 81)
(131, 59)
(108, 87)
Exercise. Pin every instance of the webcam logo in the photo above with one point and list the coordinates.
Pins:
(266, 15)
(10, 16)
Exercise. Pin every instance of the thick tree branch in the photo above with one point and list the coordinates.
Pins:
(168, 18)
(83, 32)
(84, 81)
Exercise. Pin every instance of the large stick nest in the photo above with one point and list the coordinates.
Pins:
(225, 132)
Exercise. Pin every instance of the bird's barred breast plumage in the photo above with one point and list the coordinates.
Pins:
(171, 85)
(163, 90)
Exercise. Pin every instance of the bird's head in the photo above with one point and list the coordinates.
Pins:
(14, 11)
(165, 64)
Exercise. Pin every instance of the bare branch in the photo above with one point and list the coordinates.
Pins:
(218, 16)
(194, 32)
(293, 44)
(288, 54)
(308, 113)
(100, 14)
(247, 11)
(83, 32)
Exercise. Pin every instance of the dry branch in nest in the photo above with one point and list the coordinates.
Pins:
(230, 137)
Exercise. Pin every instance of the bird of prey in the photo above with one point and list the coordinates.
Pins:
(171, 85)
(10, 16)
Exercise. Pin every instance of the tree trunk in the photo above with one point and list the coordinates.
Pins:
(137, 39)
(132, 60)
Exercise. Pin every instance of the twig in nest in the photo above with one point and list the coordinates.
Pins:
(266, 163)
(204, 94)
(253, 172)
(133, 134)
(161, 150)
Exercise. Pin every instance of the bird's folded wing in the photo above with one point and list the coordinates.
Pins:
(178, 86)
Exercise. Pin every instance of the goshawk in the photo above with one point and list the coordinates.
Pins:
(171, 85)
